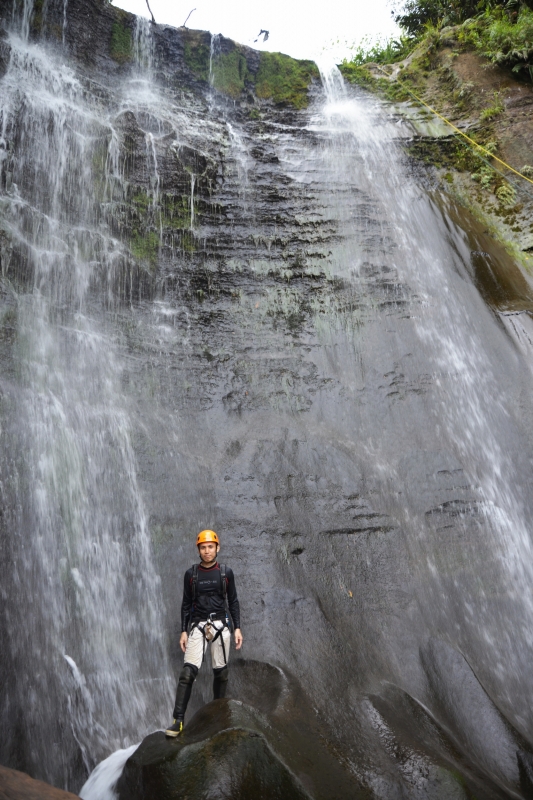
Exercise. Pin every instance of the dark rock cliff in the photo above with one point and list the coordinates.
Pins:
(225, 306)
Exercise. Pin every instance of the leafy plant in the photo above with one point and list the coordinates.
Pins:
(485, 177)
(494, 110)
(414, 15)
(506, 194)
(381, 51)
(509, 43)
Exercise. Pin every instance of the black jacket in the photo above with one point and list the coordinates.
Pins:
(209, 599)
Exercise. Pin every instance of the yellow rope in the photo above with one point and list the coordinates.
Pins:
(447, 121)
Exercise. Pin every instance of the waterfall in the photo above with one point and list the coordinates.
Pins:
(193, 178)
(92, 655)
(258, 319)
(101, 783)
(143, 46)
(241, 156)
(64, 26)
(214, 49)
(332, 82)
(27, 11)
(470, 410)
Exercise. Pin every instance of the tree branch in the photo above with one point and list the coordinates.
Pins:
(150, 10)
(185, 23)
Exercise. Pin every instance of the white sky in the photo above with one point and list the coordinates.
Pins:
(297, 27)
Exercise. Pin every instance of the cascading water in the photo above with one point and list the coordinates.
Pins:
(471, 414)
(143, 48)
(267, 324)
(91, 655)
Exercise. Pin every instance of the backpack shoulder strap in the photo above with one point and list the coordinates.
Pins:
(223, 578)
(194, 581)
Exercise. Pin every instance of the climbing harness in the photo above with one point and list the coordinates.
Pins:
(209, 630)
(477, 146)
(210, 633)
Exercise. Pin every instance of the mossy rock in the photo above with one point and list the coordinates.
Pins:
(196, 54)
(230, 71)
(284, 79)
(36, 22)
(145, 247)
(361, 75)
(121, 49)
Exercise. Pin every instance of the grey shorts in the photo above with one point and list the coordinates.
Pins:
(197, 645)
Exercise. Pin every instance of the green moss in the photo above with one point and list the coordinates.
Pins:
(284, 80)
(196, 55)
(188, 243)
(121, 43)
(485, 177)
(141, 201)
(230, 72)
(362, 76)
(37, 16)
(506, 195)
(98, 163)
(176, 211)
(145, 247)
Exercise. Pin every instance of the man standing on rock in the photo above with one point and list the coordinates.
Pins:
(209, 607)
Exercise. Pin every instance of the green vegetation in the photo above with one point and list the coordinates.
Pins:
(435, 34)
(484, 176)
(504, 40)
(413, 16)
(506, 194)
(121, 43)
(196, 55)
(141, 201)
(381, 51)
(37, 16)
(502, 32)
(145, 247)
(284, 80)
(176, 211)
(279, 77)
(494, 110)
(230, 71)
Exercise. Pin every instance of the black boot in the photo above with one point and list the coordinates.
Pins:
(183, 692)
(175, 729)
(220, 682)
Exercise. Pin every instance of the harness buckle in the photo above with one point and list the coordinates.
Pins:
(209, 628)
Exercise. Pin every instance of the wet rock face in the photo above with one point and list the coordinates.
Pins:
(222, 754)
(223, 309)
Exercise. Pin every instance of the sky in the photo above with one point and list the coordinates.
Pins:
(296, 27)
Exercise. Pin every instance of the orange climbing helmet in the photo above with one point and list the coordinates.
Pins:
(207, 536)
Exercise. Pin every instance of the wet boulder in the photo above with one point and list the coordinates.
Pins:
(223, 753)
(15, 785)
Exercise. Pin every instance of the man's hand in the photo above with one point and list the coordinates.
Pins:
(183, 640)
(238, 639)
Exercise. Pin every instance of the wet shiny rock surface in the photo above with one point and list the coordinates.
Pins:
(219, 311)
